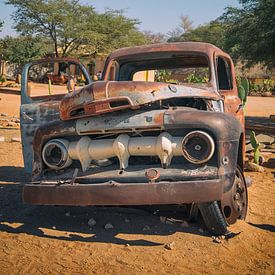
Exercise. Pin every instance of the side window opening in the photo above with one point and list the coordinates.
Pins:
(224, 74)
(54, 78)
(113, 74)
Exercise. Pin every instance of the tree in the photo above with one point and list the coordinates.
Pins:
(1, 25)
(70, 25)
(153, 38)
(185, 26)
(22, 49)
(212, 32)
(250, 31)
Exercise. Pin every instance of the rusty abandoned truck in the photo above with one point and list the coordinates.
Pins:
(164, 126)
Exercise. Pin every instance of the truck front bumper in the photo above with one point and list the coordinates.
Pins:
(113, 193)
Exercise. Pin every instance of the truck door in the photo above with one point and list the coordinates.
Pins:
(44, 83)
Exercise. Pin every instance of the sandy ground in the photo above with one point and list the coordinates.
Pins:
(58, 240)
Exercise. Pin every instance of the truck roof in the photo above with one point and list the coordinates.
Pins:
(206, 48)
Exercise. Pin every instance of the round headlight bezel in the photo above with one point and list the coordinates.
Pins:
(206, 138)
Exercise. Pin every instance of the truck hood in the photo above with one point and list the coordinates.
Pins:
(109, 96)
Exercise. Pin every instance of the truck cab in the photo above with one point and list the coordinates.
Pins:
(164, 126)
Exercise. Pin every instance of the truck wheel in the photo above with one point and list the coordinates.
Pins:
(213, 218)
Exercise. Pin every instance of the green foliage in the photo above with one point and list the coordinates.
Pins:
(193, 78)
(255, 144)
(243, 89)
(75, 28)
(162, 76)
(268, 86)
(211, 33)
(22, 49)
(249, 31)
(2, 79)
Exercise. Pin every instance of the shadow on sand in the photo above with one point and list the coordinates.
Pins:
(72, 222)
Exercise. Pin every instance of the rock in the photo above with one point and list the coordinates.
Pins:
(265, 139)
(2, 139)
(249, 147)
(184, 224)
(4, 120)
(146, 228)
(91, 222)
(127, 245)
(127, 220)
(248, 181)
(261, 160)
(67, 214)
(170, 246)
(201, 230)
(108, 226)
(271, 146)
(12, 124)
(3, 114)
(16, 139)
(266, 94)
(15, 120)
(250, 166)
(53, 227)
(216, 239)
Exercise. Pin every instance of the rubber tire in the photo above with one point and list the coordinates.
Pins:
(213, 218)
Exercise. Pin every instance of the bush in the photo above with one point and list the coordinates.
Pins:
(2, 79)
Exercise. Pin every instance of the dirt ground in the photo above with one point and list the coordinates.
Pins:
(58, 240)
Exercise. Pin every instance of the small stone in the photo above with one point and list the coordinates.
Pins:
(250, 166)
(3, 114)
(249, 148)
(261, 160)
(108, 226)
(54, 227)
(170, 246)
(4, 120)
(162, 219)
(169, 222)
(216, 239)
(16, 139)
(266, 139)
(146, 228)
(67, 214)
(91, 222)
(222, 237)
(2, 139)
(15, 120)
(201, 230)
(127, 220)
(184, 224)
(127, 245)
(12, 124)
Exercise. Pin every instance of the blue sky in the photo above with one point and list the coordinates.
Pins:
(155, 15)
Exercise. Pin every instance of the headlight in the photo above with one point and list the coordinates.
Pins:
(55, 154)
(198, 147)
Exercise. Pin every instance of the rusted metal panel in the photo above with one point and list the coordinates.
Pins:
(137, 174)
(124, 194)
(95, 99)
(121, 122)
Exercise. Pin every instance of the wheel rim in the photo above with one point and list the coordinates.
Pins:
(234, 202)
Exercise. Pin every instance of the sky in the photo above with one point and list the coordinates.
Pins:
(155, 15)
